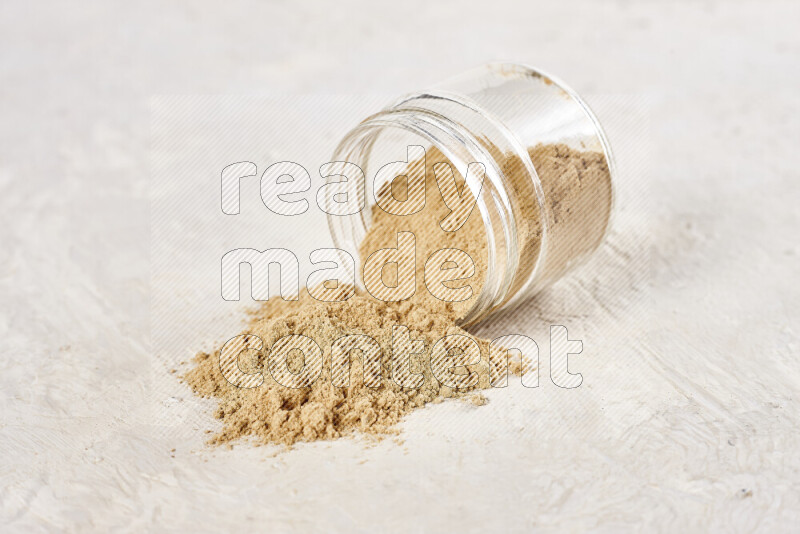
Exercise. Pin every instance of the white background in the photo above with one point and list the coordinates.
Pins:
(688, 416)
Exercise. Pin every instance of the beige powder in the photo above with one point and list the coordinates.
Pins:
(272, 413)
(430, 237)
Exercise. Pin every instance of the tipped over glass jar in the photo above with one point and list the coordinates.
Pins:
(545, 197)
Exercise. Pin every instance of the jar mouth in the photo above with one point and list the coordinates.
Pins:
(460, 147)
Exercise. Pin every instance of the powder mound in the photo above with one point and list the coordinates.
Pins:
(272, 413)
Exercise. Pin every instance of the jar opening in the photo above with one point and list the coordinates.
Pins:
(390, 132)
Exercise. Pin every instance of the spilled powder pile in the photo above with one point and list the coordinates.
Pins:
(276, 414)
(272, 413)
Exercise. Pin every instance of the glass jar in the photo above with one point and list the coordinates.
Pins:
(547, 195)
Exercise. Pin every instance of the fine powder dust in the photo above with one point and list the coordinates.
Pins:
(274, 414)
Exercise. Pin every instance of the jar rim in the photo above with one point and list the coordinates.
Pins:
(443, 133)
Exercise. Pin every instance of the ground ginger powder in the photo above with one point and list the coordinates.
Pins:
(274, 414)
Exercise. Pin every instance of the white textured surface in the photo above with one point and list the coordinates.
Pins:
(688, 416)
